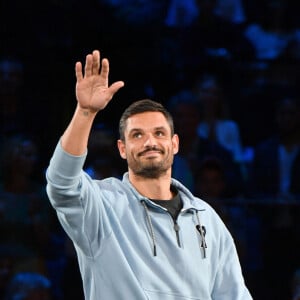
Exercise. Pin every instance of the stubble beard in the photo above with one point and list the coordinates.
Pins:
(150, 169)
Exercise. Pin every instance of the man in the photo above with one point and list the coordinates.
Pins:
(147, 236)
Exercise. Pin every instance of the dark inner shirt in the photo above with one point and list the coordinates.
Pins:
(173, 206)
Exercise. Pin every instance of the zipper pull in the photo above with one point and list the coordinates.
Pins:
(202, 231)
(176, 228)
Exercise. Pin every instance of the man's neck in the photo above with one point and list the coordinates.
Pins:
(153, 188)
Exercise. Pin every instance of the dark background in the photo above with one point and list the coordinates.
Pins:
(46, 38)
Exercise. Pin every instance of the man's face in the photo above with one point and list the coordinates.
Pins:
(149, 147)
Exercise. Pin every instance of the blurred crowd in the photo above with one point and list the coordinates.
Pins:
(228, 70)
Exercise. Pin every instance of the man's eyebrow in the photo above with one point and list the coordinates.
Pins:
(135, 129)
(160, 128)
(140, 129)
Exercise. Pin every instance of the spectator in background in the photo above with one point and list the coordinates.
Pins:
(211, 36)
(103, 160)
(183, 13)
(6, 268)
(11, 88)
(275, 181)
(232, 10)
(211, 182)
(193, 148)
(29, 286)
(203, 34)
(215, 121)
(137, 12)
(276, 165)
(24, 209)
(28, 226)
(270, 33)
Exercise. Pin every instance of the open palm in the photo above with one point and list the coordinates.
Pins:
(92, 90)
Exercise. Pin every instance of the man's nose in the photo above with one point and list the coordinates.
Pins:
(150, 140)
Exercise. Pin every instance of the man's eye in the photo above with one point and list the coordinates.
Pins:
(159, 133)
(137, 135)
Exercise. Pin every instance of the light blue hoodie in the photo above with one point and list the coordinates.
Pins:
(127, 246)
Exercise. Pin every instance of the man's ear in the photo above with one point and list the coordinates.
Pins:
(175, 142)
(121, 147)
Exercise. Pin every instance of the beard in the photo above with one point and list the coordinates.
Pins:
(150, 169)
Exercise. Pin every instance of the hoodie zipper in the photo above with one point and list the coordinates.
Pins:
(177, 228)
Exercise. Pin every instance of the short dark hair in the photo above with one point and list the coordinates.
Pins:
(141, 106)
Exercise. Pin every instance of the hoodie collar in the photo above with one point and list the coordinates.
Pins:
(190, 202)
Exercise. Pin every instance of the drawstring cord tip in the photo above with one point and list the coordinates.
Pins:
(202, 231)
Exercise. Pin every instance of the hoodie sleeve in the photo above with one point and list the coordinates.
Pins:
(75, 197)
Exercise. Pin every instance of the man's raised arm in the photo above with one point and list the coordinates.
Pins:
(93, 94)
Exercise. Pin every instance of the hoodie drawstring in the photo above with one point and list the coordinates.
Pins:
(151, 227)
(202, 232)
(201, 229)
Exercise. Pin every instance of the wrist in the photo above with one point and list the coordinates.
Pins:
(86, 112)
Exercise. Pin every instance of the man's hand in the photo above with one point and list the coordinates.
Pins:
(92, 90)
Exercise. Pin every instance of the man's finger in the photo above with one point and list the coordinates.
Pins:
(96, 62)
(78, 71)
(104, 69)
(115, 87)
(88, 65)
